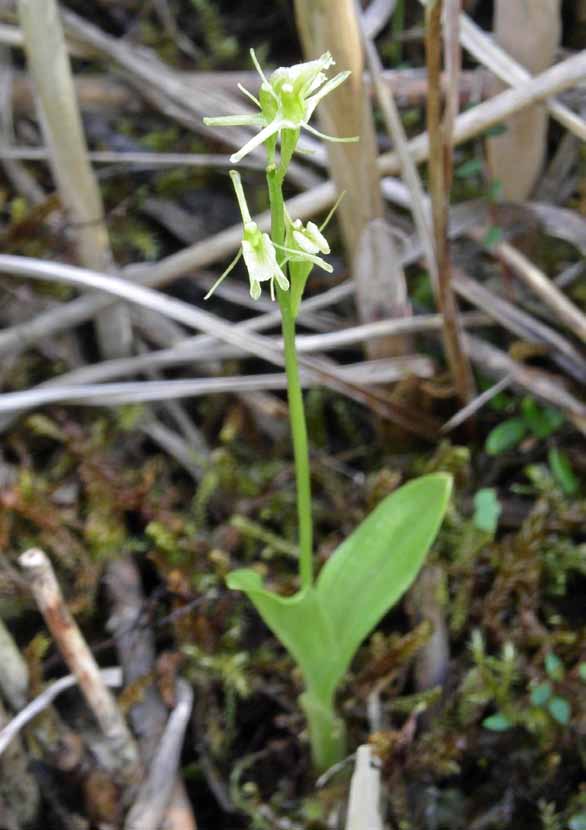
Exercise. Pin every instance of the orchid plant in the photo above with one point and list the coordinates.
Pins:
(325, 622)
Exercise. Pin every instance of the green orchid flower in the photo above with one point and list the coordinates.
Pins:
(286, 101)
(260, 252)
(257, 249)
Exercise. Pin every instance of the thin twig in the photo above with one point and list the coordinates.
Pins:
(111, 677)
(72, 645)
(522, 324)
(396, 131)
(476, 405)
(440, 181)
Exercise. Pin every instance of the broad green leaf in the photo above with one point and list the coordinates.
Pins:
(375, 565)
(487, 510)
(299, 622)
(505, 436)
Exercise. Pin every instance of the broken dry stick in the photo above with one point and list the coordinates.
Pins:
(74, 649)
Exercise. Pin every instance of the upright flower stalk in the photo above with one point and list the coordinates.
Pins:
(287, 101)
(323, 624)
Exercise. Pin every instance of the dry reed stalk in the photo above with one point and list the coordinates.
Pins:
(49, 66)
(333, 25)
(516, 157)
(396, 131)
(39, 573)
(440, 181)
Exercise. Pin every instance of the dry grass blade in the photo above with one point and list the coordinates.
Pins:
(135, 644)
(376, 16)
(440, 180)
(304, 206)
(542, 385)
(564, 309)
(417, 423)
(476, 405)
(61, 122)
(453, 69)
(132, 159)
(522, 324)
(387, 370)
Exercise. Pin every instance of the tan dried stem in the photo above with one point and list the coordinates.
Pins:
(439, 181)
(48, 64)
(39, 573)
(333, 25)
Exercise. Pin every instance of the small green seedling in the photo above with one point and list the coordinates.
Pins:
(323, 624)
(533, 419)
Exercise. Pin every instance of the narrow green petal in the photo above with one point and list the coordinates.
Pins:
(234, 121)
(350, 140)
(221, 279)
(258, 68)
(257, 140)
(313, 100)
(248, 94)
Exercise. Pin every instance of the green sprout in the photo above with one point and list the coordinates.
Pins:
(324, 623)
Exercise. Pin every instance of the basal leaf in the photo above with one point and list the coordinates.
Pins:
(376, 564)
(299, 623)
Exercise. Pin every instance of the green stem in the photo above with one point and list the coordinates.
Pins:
(295, 396)
(327, 732)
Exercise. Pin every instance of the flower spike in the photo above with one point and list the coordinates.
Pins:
(286, 100)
